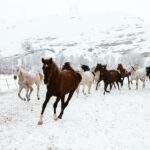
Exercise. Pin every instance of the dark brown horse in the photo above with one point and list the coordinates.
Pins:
(98, 68)
(108, 76)
(59, 83)
(124, 73)
(67, 66)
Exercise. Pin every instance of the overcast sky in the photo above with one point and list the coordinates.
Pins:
(27, 9)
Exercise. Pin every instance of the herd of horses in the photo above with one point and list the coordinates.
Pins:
(66, 80)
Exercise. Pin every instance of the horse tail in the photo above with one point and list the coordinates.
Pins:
(41, 77)
(79, 77)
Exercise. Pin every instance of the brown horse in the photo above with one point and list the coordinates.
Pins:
(108, 76)
(124, 73)
(59, 83)
(67, 66)
(98, 68)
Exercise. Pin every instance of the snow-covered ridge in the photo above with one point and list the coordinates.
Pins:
(95, 34)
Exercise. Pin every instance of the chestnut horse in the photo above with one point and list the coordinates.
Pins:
(124, 73)
(87, 76)
(59, 83)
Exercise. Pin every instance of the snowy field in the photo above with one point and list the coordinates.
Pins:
(116, 121)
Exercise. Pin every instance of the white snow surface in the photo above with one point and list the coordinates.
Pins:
(116, 121)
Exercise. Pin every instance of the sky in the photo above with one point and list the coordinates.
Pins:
(28, 9)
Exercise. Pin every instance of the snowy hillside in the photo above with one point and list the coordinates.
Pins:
(88, 35)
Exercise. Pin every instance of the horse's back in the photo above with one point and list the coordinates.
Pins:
(70, 78)
(32, 77)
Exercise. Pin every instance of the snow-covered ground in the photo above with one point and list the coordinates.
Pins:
(116, 121)
(7, 83)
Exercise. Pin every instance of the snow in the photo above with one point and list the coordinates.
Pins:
(113, 33)
(116, 121)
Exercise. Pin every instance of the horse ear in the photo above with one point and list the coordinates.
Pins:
(42, 60)
(50, 60)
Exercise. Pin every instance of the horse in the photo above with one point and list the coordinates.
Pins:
(67, 66)
(124, 73)
(26, 80)
(137, 74)
(108, 76)
(59, 83)
(87, 78)
(97, 75)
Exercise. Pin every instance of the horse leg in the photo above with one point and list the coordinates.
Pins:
(31, 90)
(114, 85)
(27, 95)
(105, 88)
(19, 93)
(83, 89)
(118, 85)
(62, 107)
(128, 82)
(143, 83)
(97, 85)
(38, 87)
(55, 106)
(65, 104)
(89, 88)
(136, 84)
(40, 122)
(110, 86)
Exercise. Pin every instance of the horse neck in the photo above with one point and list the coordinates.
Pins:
(55, 75)
(20, 75)
(70, 68)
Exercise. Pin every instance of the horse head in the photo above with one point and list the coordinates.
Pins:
(98, 67)
(49, 68)
(66, 66)
(119, 67)
(85, 68)
(17, 71)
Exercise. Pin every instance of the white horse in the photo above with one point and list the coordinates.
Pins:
(26, 80)
(87, 80)
(137, 74)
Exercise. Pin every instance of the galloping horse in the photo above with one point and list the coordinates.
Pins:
(124, 73)
(26, 80)
(108, 76)
(137, 74)
(59, 83)
(87, 78)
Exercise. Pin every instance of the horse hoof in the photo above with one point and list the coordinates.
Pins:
(28, 99)
(24, 99)
(38, 98)
(40, 122)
